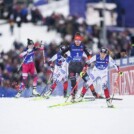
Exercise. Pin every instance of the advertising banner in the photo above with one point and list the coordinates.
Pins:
(123, 85)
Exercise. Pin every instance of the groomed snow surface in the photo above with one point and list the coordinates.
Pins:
(30, 116)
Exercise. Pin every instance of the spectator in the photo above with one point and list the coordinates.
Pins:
(11, 23)
(121, 54)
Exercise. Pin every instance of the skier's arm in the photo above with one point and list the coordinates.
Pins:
(112, 62)
(87, 64)
(65, 50)
(53, 58)
(24, 53)
(93, 59)
(87, 52)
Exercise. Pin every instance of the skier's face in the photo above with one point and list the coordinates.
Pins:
(103, 55)
(31, 46)
(77, 42)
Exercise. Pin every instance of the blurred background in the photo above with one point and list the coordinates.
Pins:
(107, 23)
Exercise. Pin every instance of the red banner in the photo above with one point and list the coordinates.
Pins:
(123, 85)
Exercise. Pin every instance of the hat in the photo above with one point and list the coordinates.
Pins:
(103, 50)
(29, 42)
(78, 37)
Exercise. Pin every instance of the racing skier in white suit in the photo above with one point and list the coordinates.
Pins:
(102, 61)
(60, 73)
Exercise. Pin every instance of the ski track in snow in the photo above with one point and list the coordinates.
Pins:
(27, 116)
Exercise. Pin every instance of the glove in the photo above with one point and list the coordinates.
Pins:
(120, 73)
(82, 74)
(83, 71)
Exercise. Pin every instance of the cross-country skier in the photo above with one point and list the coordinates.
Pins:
(77, 49)
(102, 61)
(60, 73)
(28, 67)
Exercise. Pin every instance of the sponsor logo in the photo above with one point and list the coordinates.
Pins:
(77, 49)
(122, 84)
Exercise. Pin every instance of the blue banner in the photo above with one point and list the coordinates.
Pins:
(124, 9)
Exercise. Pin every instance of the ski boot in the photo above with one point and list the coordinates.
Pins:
(48, 93)
(72, 98)
(20, 88)
(109, 103)
(34, 92)
(80, 98)
(18, 95)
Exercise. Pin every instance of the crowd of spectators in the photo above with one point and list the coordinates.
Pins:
(119, 46)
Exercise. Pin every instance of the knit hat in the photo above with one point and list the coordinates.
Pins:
(29, 42)
(104, 50)
(78, 36)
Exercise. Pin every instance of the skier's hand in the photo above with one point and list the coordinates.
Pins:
(82, 74)
(120, 73)
(83, 71)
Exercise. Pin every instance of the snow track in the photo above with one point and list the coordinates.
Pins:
(27, 116)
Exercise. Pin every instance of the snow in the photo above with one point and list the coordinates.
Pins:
(29, 30)
(27, 116)
(34, 32)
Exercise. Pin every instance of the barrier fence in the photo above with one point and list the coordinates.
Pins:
(123, 85)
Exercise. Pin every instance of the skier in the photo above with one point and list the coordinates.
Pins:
(60, 73)
(102, 60)
(76, 65)
(28, 67)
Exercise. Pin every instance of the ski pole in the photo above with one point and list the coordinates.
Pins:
(48, 82)
(22, 63)
(73, 89)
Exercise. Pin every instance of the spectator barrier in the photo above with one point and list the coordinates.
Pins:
(123, 85)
